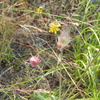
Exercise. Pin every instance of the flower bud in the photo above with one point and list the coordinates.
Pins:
(34, 61)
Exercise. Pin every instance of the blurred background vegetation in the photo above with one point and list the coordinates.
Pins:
(71, 74)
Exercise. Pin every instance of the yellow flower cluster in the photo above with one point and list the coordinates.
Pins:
(54, 27)
(40, 9)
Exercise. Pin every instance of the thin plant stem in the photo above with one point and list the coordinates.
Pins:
(60, 78)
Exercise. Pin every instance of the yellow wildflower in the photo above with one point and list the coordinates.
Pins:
(40, 9)
(54, 27)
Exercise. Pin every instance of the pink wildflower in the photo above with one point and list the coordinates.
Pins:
(63, 38)
(34, 61)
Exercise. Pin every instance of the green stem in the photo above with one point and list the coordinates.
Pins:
(60, 78)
